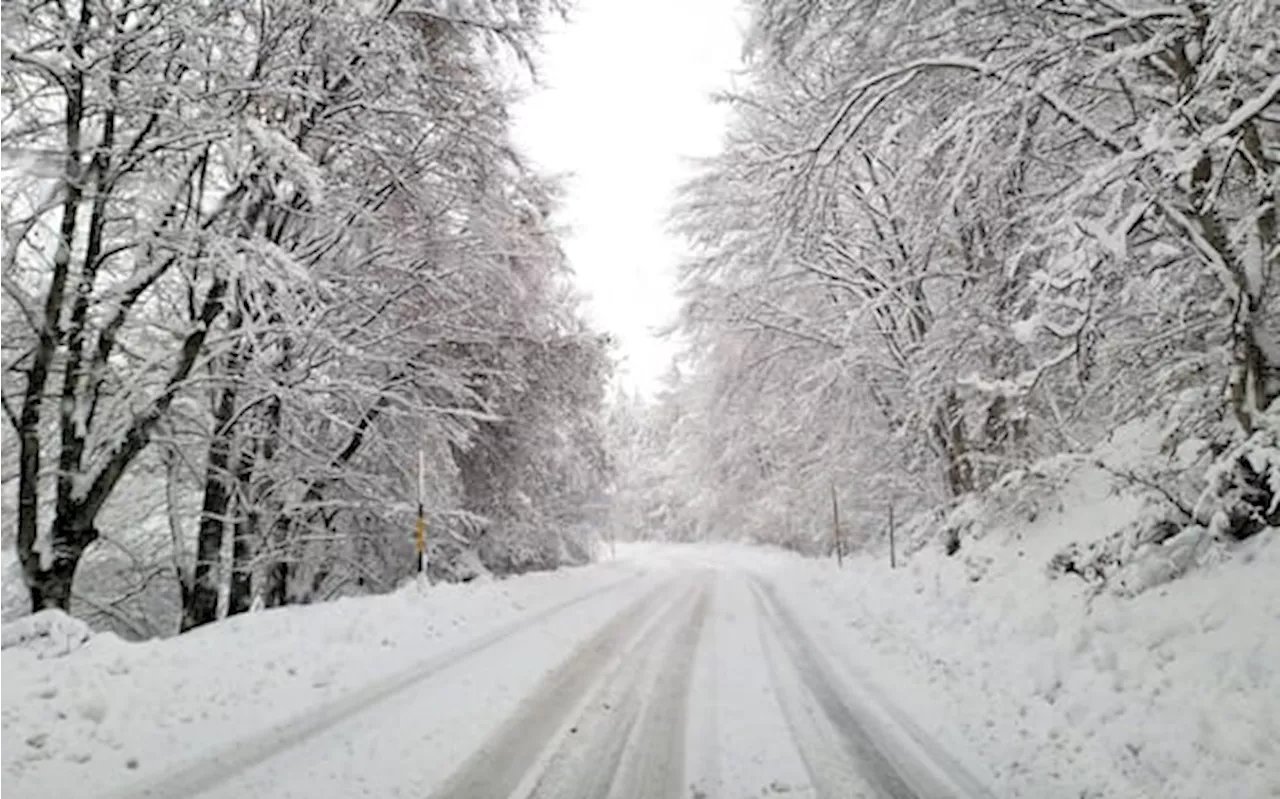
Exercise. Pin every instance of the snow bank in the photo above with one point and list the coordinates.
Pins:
(49, 633)
(1060, 689)
(111, 712)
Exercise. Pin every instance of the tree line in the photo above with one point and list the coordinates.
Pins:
(943, 241)
(258, 256)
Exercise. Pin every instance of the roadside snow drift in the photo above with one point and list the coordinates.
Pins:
(112, 713)
(1061, 689)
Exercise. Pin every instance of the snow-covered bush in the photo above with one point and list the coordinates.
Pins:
(1099, 562)
(1023, 495)
(48, 633)
(515, 547)
(1242, 497)
(1017, 499)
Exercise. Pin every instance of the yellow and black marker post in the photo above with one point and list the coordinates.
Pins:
(420, 529)
(420, 540)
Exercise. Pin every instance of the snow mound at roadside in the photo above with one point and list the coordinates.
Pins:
(1160, 679)
(110, 712)
(49, 633)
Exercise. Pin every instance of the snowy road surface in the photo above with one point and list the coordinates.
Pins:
(678, 679)
(681, 670)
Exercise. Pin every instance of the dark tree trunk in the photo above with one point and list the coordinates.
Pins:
(51, 587)
(204, 586)
(242, 557)
(241, 569)
(317, 584)
(246, 526)
(275, 582)
(275, 594)
(203, 606)
(950, 433)
(43, 591)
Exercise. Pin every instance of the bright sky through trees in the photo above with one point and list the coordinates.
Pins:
(624, 124)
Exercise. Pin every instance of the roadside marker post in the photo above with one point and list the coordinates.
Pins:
(420, 541)
(420, 528)
(835, 521)
(893, 555)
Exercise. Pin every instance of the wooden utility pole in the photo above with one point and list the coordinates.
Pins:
(893, 555)
(835, 519)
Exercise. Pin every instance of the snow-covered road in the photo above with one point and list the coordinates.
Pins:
(708, 670)
(679, 678)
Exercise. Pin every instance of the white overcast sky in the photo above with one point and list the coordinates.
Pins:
(624, 104)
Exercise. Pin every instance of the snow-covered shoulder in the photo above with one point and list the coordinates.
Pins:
(1061, 686)
(96, 710)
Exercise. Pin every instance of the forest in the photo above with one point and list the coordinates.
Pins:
(948, 249)
(324, 473)
(264, 262)
(261, 259)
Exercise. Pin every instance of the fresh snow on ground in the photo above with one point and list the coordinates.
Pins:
(1045, 687)
(1036, 687)
(1059, 690)
(113, 712)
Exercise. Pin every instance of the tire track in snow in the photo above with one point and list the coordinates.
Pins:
(609, 722)
(878, 751)
(740, 743)
(654, 761)
(833, 770)
(205, 773)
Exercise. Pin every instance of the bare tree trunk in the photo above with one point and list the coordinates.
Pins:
(1249, 395)
(245, 532)
(1253, 382)
(44, 588)
(263, 500)
(241, 597)
(171, 463)
(275, 591)
(203, 605)
(949, 432)
(51, 587)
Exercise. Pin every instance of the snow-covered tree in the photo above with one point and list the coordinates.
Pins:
(944, 239)
(258, 257)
